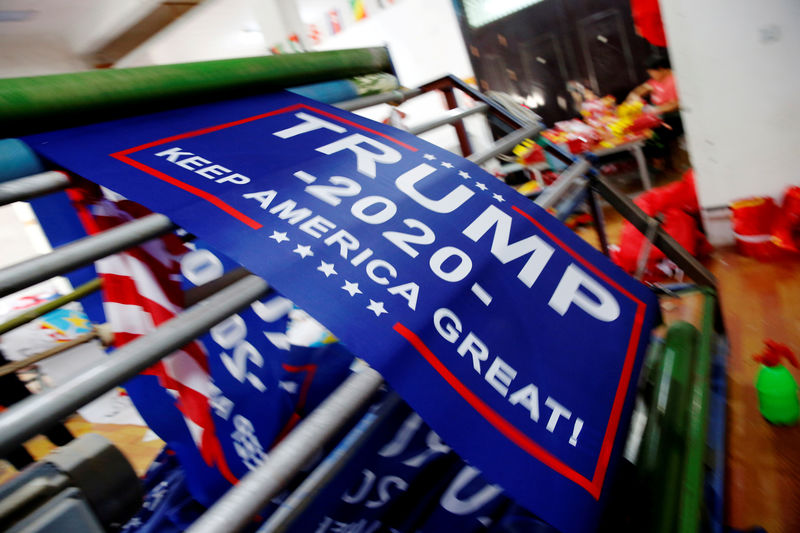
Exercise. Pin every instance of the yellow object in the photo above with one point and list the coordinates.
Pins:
(523, 148)
(528, 187)
(630, 110)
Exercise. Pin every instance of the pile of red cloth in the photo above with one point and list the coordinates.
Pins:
(677, 206)
(766, 230)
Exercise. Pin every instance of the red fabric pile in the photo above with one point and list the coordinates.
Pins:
(647, 21)
(677, 205)
(765, 230)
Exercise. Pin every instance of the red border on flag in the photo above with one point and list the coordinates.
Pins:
(595, 485)
(123, 156)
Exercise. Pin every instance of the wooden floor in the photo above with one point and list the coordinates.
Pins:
(133, 441)
(759, 301)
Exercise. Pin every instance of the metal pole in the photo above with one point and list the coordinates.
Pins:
(553, 193)
(242, 502)
(505, 144)
(56, 101)
(662, 240)
(461, 130)
(448, 118)
(304, 495)
(61, 347)
(390, 97)
(82, 251)
(32, 186)
(644, 251)
(575, 196)
(36, 413)
(599, 221)
(32, 314)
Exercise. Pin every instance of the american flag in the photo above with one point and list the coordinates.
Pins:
(142, 290)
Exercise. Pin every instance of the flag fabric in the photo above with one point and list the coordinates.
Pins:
(515, 340)
(335, 21)
(142, 291)
(314, 34)
(359, 10)
(222, 401)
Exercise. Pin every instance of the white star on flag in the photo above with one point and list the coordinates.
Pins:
(279, 236)
(376, 307)
(481, 186)
(445, 164)
(326, 268)
(303, 251)
(429, 157)
(498, 197)
(352, 288)
(464, 174)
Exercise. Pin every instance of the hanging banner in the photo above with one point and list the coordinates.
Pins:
(516, 341)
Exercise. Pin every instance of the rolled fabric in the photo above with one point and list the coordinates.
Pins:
(17, 160)
(42, 103)
(331, 92)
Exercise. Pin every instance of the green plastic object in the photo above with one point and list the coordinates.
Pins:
(694, 472)
(777, 389)
(663, 447)
(42, 103)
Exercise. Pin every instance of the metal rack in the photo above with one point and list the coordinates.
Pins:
(235, 509)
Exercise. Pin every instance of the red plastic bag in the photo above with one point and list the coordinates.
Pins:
(786, 227)
(644, 123)
(680, 195)
(753, 220)
(677, 204)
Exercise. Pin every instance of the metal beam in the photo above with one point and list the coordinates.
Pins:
(303, 496)
(505, 144)
(82, 251)
(574, 197)
(448, 118)
(598, 220)
(552, 194)
(448, 83)
(59, 348)
(662, 240)
(36, 413)
(634, 214)
(32, 186)
(390, 97)
(236, 509)
(87, 288)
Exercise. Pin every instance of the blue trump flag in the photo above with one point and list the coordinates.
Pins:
(515, 340)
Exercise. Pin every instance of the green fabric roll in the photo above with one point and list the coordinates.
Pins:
(41, 103)
(694, 469)
(663, 446)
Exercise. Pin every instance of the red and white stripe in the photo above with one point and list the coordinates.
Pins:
(141, 291)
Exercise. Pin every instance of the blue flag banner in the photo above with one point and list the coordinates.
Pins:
(516, 341)
(404, 478)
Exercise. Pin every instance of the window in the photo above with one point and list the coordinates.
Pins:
(482, 12)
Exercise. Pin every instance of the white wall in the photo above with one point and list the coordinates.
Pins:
(422, 35)
(59, 32)
(425, 43)
(216, 29)
(36, 55)
(736, 63)
(102, 20)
